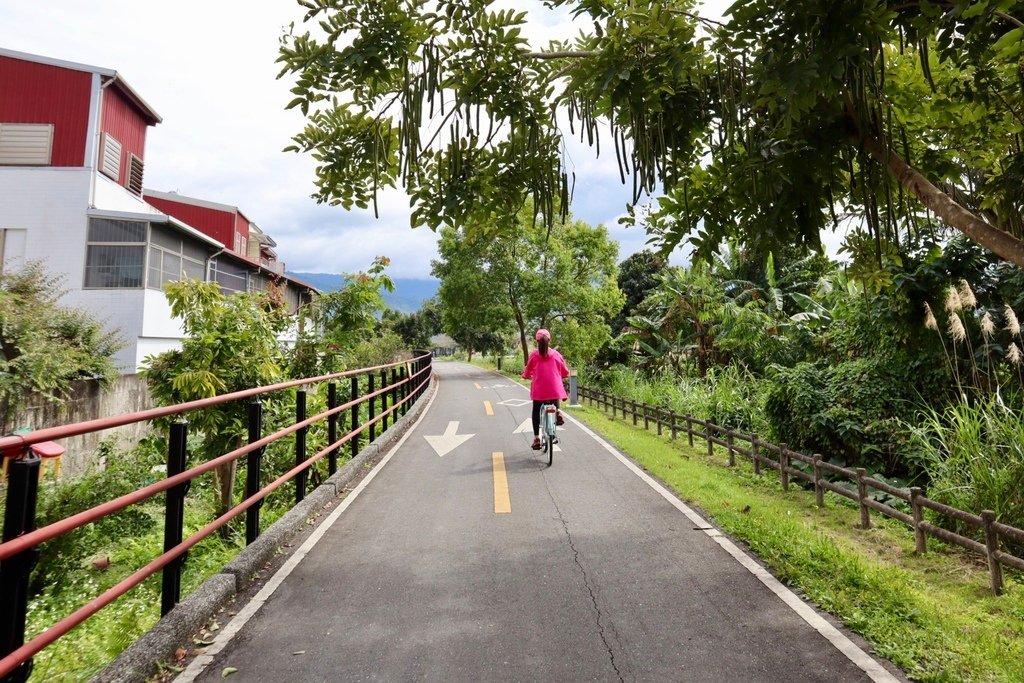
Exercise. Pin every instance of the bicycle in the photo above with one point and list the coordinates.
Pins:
(548, 430)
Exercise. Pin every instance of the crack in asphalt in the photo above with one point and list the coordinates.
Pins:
(590, 590)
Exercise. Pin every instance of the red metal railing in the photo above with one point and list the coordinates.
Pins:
(409, 380)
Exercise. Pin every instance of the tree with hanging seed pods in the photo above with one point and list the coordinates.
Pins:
(791, 116)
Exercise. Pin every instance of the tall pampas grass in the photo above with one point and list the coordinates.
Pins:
(988, 326)
(967, 297)
(956, 329)
(930, 322)
(953, 301)
(1012, 324)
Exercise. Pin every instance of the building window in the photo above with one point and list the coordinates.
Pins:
(110, 156)
(257, 283)
(115, 254)
(230, 276)
(135, 169)
(172, 257)
(26, 144)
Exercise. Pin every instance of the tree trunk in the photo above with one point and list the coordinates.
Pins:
(1000, 243)
(224, 484)
(521, 322)
(522, 336)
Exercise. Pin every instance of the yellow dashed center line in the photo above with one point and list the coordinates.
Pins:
(502, 502)
(487, 408)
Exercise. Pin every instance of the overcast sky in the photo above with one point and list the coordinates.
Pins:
(207, 67)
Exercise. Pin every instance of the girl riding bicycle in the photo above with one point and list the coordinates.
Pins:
(545, 368)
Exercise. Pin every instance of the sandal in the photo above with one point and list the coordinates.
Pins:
(536, 443)
(559, 420)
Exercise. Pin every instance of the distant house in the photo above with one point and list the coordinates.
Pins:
(250, 262)
(72, 162)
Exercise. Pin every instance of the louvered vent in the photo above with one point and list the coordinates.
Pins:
(135, 174)
(110, 161)
(25, 144)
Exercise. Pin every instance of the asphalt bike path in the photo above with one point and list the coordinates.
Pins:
(466, 558)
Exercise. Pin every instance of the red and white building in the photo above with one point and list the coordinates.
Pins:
(72, 161)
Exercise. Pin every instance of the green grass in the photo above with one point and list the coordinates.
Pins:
(933, 615)
(87, 649)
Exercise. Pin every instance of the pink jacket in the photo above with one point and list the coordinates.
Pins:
(547, 374)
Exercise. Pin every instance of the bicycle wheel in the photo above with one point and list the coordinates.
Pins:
(549, 432)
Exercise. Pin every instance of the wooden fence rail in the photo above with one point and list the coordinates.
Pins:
(780, 458)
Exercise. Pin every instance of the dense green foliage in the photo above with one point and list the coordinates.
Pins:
(787, 118)
(563, 279)
(974, 452)
(417, 328)
(341, 320)
(45, 346)
(230, 345)
(802, 353)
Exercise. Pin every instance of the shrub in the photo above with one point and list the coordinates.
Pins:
(852, 412)
(974, 454)
(728, 396)
(124, 472)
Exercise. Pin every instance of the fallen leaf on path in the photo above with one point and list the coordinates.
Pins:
(299, 652)
(180, 653)
(228, 670)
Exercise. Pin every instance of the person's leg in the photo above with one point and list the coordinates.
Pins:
(535, 415)
(559, 420)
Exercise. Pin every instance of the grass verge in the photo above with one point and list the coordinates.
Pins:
(932, 615)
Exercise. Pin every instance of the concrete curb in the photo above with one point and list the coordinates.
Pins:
(139, 661)
(136, 663)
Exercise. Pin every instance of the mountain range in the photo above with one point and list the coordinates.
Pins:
(408, 297)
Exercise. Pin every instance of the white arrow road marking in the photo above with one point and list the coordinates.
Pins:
(449, 441)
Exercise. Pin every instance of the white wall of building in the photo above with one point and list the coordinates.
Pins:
(118, 309)
(49, 204)
(113, 197)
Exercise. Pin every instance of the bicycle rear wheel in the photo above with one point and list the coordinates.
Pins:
(549, 432)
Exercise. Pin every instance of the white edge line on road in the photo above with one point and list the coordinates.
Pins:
(868, 664)
(199, 664)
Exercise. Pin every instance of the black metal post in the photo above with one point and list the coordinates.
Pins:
(252, 472)
(19, 518)
(416, 365)
(372, 404)
(394, 395)
(332, 428)
(174, 516)
(403, 391)
(354, 391)
(300, 445)
(384, 401)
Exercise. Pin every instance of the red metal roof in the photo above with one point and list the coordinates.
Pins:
(110, 76)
